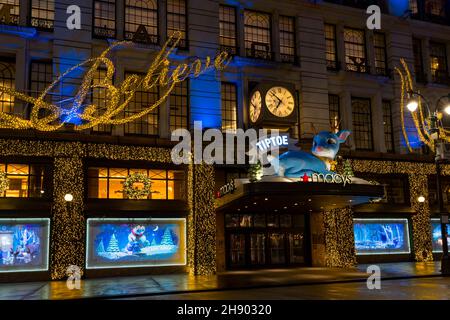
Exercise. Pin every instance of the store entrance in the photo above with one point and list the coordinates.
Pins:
(266, 240)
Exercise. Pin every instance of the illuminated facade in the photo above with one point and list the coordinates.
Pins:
(338, 72)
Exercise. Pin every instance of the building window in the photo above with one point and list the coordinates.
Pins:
(25, 181)
(388, 128)
(362, 124)
(41, 76)
(355, 50)
(334, 111)
(413, 7)
(435, 7)
(141, 21)
(438, 60)
(10, 16)
(142, 99)
(179, 106)
(101, 100)
(331, 45)
(42, 13)
(418, 60)
(287, 39)
(7, 80)
(177, 20)
(107, 183)
(227, 23)
(379, 42)
(229, 106)
(257, 35)
(105, 18)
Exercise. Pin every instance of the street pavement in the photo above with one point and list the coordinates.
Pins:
(157, 285)
(435, 288)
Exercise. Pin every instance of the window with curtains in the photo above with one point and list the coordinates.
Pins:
(287, 38)
(142, 99)
(227, 26)
(11, 16)
(101, 100)
(105, 18)
(413, 7)
(388, 127)
(229, 106)
(141, 21)
(177, 20)
(418, 60)
(334, 112)
(362, 124)
(7, 79)
(41, 76)
(379, 43)
(435, 7)
(438, 61)
(257, 35)
(27, 180)
(355, 50)
(107, 183)
(179, 106)
(331, 45)
(42, 14)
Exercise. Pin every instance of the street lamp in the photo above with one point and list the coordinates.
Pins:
(434, 125)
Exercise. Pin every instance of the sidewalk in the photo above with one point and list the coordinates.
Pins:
(183, 283)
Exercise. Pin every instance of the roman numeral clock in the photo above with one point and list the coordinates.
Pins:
(272, 105)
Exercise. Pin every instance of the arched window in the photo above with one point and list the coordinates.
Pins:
(355, 50)
(141, 21)
(257, 35)
(7, 77)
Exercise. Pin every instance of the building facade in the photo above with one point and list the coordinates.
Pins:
(339, 74)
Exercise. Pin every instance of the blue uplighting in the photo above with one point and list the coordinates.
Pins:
(398, 7)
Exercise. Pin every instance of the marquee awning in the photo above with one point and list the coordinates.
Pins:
(292, 196)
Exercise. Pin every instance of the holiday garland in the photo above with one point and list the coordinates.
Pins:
(4, 182)
(136, 193)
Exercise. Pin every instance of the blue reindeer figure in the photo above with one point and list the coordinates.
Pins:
(295, 164)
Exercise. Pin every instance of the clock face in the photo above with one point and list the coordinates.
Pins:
(255, 106)
(280, 102)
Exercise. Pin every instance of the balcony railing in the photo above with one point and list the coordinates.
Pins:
(259, 54)
(144, 38)
(43, 24)
(357, 64)
(288, 58)
(13, 20)
(103, 32)
(333, 65)
(231, 50)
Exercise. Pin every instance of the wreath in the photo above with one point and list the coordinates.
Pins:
(4, 182)
(137, 193)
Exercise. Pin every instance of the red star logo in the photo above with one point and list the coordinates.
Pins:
(305, 178)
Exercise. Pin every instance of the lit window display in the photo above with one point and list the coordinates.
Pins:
(107, 183)
(123, 243)
(24, 244)
(381, 236)
(436, 234)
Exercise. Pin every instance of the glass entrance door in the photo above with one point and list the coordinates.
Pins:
(237, 249)
(296, 248)
(277, 248)
(258, 248)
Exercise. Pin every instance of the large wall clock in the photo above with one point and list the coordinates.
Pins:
(255, 106)
(279, 101)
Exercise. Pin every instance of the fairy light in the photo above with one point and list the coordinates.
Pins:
(119, 97)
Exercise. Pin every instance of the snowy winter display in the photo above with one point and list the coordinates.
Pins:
(23, 246)
(136, 243)
(381, 236)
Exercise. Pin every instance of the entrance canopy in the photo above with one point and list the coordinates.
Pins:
(289, 196)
